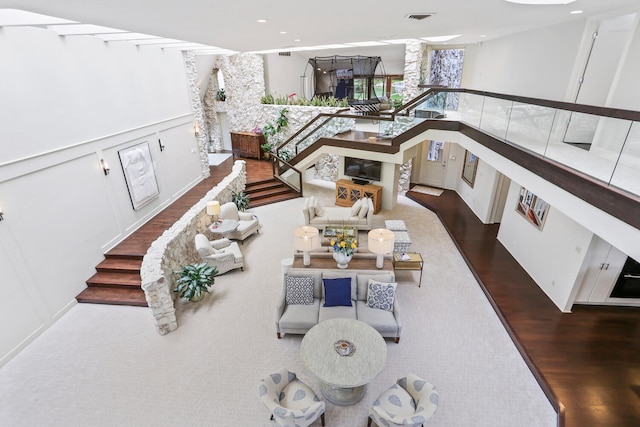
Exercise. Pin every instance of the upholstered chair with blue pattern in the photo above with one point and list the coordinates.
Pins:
(292, 403)
(408, 403)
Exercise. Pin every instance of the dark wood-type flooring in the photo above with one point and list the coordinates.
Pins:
(588, 361)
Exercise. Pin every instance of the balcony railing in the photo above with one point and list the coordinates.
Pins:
(603, 143)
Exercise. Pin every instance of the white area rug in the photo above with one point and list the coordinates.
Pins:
(107, 366)
(427, 190)
(216, 158)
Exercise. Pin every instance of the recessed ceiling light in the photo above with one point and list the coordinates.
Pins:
(283, 32)
(575, 12)
(262, 21)
(540, 1)
(437, 39)
(483, 35)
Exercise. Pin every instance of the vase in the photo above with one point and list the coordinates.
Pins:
(342, 259)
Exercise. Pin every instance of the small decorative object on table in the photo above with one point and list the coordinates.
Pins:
(345, 348)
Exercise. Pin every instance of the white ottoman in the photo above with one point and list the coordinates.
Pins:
(402, 241)
(395, 225)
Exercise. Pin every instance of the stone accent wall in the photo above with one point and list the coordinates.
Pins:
(327, 167)
(175, 247)
(412, 67)
(202, 134)
(405, 177)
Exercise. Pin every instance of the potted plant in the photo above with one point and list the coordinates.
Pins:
(194, 280)
(221, 95)
(270, 129)
(266, 149)
(241, 200)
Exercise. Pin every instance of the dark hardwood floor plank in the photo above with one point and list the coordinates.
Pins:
(588, 361)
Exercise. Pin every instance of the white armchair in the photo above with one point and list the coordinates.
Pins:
(292, 403)
(223, 254)
(409, 403)
(248, 222)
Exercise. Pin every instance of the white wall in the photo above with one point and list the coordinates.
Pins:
(67, 103)
(479, 197)
(282, 74)
(552, 256)
(536, 63)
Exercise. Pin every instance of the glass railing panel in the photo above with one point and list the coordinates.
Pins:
(400, 124)
(325, 129)
(597, 159)
(495, 116)
(627, 172)
(470, 108)
(432, 106)
(581, 129)
(530, 126)
(289, 175)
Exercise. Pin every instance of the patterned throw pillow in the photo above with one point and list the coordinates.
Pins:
(381, 295)
(299, 290)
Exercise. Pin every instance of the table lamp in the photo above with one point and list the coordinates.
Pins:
(213, 209)
(306, 239)
(380, 242)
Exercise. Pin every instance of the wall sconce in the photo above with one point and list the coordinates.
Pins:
(196, 130)
(105, 166)
(380, 242)
(306, 239)
(213, 209)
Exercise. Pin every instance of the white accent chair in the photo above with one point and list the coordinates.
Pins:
(223, 254)
(248, 222)
(408, 403)
(292, 403)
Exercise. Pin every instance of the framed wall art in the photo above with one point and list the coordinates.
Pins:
(532, 207)
(469, 168)
(139, 174)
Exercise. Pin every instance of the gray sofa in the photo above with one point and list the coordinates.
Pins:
(299, 318)
(336, 215)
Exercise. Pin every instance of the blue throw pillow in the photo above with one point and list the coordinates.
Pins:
(337, 292)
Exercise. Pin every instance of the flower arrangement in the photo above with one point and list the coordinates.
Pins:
(344, 244)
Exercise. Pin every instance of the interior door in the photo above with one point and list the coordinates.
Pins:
(434, 163)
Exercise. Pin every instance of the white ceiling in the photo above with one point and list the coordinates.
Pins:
(233, 24)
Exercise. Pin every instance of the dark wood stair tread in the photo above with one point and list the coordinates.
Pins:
(117, 264)
(125, 280)
(113, 296)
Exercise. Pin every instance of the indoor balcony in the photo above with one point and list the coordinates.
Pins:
(591, 152)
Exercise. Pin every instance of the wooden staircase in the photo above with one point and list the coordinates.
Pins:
(117, 281)
(268, 191)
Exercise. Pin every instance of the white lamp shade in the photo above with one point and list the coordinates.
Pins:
(306, 238)
(381, 240)
(213, 207)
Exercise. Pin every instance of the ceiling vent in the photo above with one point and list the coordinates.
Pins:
(418, 16)
(284, 53)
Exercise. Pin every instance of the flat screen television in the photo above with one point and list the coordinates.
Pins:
(362, 169)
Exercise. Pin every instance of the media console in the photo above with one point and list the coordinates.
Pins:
(348, 192)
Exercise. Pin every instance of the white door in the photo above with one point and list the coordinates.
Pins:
(434, 163)
(603, 265)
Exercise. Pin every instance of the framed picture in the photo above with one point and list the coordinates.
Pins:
(532, 207)
(139, 174)
(469, 168)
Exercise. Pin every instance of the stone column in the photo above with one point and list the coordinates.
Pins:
(412, 69)
(211, 109)
(200, 124)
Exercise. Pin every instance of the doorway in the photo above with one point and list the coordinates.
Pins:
(432, 167)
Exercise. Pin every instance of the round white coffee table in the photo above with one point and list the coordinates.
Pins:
(344, 378)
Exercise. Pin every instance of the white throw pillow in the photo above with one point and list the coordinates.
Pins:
(381, 295)
(319, 211)
(364, 209)
(356, 208)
